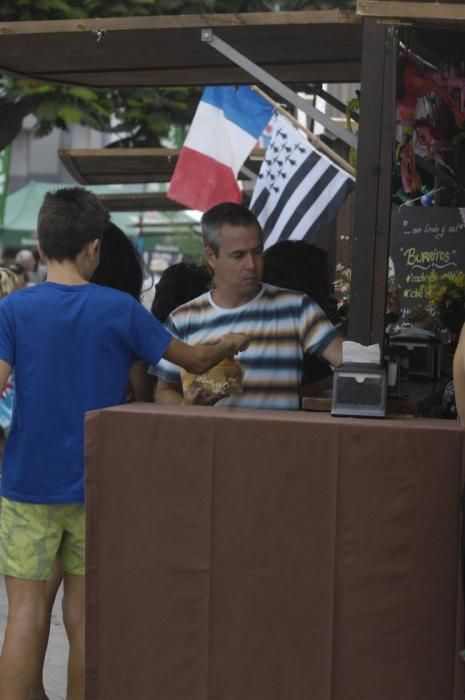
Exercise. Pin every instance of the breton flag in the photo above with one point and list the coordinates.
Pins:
(225, 128)
(298, 190)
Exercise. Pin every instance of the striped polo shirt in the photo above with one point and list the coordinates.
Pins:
(282, 325)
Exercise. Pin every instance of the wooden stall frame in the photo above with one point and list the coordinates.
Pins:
(405, 10)
(373, 187)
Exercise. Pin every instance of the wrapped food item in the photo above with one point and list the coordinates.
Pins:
(225, 379)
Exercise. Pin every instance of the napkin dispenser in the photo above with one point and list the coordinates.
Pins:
(424, 351)
(359, 389)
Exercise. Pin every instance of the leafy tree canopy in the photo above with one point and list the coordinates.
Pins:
(143, 115)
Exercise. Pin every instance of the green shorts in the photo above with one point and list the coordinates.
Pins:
(32, 535)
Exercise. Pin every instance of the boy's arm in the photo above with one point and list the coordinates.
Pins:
(197, 359)
(140, 383)
(5, 371)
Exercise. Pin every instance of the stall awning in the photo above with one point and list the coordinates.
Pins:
(296, 47)
(126, 203)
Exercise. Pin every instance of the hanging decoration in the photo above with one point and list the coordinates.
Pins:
(431, 126)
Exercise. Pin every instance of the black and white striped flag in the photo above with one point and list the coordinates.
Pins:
(298, 190)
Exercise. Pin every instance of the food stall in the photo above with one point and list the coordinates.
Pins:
(255, 554)
(264, 554)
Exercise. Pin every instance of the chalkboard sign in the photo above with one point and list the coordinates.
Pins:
(424, 239)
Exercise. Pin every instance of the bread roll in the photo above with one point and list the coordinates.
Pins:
(224, 379)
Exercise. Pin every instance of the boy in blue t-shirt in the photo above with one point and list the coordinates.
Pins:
(72, 344)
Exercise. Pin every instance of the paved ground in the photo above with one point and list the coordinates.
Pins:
(57, 653)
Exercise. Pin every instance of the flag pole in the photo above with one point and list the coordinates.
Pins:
(314, 140)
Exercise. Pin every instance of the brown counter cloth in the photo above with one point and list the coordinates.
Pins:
(260, 555)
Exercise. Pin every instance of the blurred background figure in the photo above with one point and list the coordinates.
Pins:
(30, 264)
(8, 284)
(121, 267)
(302, 267)
(20, 274)
(178, 284)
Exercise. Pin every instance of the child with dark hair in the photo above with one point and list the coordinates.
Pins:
(72, 344)
(120, 267)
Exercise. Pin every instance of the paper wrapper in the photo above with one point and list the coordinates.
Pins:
(224, 379)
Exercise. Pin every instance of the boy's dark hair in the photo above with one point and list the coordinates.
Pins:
(178, 284)
(69, 219)
(120, 265)
(225, 213)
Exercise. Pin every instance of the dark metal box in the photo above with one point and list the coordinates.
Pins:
(424, 354)
(359, 389)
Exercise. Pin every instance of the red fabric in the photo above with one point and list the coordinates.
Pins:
(200, 182)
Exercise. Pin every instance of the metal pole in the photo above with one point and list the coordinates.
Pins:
(277, 86)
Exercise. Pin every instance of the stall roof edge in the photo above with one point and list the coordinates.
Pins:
(296, 47)
(180, 21)
(411, 11)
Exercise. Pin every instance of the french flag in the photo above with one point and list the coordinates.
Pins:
(225, 129)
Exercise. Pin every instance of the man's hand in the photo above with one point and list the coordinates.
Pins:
(237, 341)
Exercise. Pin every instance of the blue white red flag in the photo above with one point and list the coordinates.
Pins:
(225, 129)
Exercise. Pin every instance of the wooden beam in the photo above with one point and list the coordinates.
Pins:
(139, 201)
(346, 71)
(386, 157)
(295, 47)
(105, 166)
(115, 24)
(404, 10)
(370, 240)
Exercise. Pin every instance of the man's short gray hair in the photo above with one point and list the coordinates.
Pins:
(226, 213)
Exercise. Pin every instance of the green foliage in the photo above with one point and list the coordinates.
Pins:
(11, 10)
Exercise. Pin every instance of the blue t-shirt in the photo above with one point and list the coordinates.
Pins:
(72, 347)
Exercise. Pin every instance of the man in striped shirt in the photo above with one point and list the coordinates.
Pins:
(282, 324)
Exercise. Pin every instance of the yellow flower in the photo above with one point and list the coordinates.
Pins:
(442, 289)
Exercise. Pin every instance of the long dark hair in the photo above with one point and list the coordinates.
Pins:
(120, 266)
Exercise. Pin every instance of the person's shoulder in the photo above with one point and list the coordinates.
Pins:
(108, 294)
(197, 305)
(281, 294)
(22, 296)
(102, 290)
